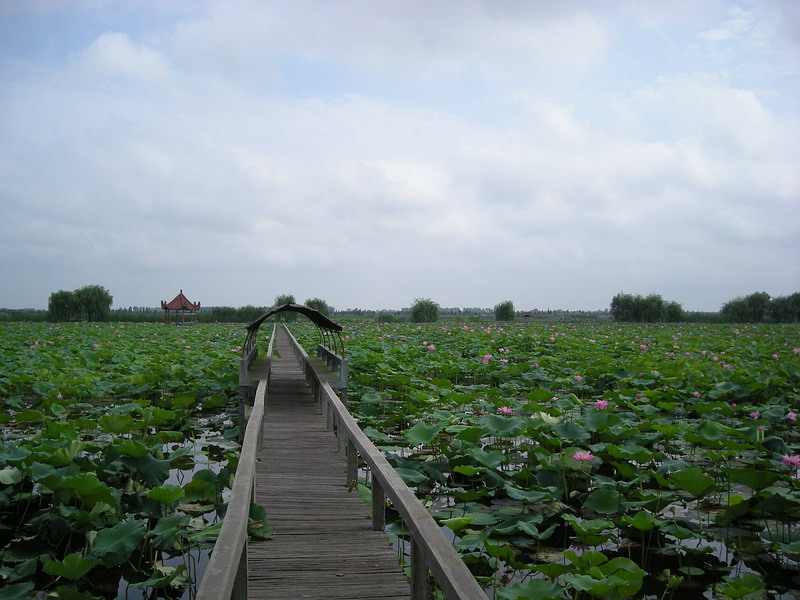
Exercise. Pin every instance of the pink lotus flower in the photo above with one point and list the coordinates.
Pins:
(755, 414)
(586, 456)
(601, 404)
(792, 416)
(696, 394)
(505, 410)
(486, 358)
(578, 378)
(775, 356)
(792, 461)
(431, 347)
(796, 350)
(95, 346)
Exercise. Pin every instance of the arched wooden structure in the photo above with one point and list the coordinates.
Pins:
(325, 326)
(330, 351)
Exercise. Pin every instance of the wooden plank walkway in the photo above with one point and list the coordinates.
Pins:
(324, 546)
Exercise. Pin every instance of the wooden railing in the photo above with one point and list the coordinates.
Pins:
(335, 362)
(226, 573)
(430, 550)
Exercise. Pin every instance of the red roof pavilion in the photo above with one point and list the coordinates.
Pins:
(180, 304)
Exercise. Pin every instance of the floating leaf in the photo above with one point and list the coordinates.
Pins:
(694, 481)
(755, 479)
(605, 501)
(411, 477)
(420, 433)
(10, 476)
(116, 423)
(166, 494)
(162, 577)
(16, 591)
(115, 544)
(74, 566)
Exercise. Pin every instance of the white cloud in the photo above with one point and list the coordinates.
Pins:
(186, 154)
(114, 54)
(737, 26)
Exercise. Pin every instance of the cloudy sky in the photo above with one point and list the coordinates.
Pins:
(369, 152)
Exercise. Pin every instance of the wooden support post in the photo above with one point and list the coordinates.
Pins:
(240, 584)
(420, 586)
(352, 465)
(378, 506)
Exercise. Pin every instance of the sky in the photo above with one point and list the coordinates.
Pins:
(371, 152)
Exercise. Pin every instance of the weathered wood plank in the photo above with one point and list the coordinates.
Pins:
(324, 545)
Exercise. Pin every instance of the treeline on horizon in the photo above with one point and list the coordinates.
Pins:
(93, 303)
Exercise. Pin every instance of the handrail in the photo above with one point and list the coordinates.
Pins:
(337, 363)
(430, 550)
(226, 573)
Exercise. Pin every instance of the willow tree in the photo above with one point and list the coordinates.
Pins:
(319, 305)
(504, 311)
(424, 310)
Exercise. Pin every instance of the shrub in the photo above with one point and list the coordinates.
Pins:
(424, 310)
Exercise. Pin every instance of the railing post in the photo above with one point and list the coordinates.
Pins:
(352, 465)
(378, 505)
(420, 586)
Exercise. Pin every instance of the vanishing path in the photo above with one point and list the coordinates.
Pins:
(324, 546)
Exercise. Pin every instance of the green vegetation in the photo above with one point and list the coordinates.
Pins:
(117, 446)
(504, 311)
(89, 303)
(650, 309)
(288, 316)
(319, 305)
(595, 460)
(424, 310)
(759, 308)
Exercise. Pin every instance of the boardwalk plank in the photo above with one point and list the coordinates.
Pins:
(324, 546)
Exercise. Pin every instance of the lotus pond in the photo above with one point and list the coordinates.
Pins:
(564, 461)
(117, 449)
(602, 460)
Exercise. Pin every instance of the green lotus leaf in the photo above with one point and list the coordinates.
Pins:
(115, 544)
(74, 566)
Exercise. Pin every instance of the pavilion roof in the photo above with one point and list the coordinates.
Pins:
(180, 302)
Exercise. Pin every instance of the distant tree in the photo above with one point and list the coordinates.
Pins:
(424, 310)
(650, 309)
(319, 305)
(94, 302)
(224, 314)
(675, 312)
(249, 313)
(62, 306)
(622, 307)
(385, 317)
(734, 310)
(504, 311)
(285, 299)
(758, 306)
(748, 309)
(785, 309)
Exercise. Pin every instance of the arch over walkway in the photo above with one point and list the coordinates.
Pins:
(325, 326)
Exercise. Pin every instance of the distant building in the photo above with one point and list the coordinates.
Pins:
(180, 304)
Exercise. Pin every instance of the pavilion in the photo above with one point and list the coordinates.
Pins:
(180, 304)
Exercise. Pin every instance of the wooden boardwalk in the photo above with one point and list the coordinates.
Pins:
(324, 546)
